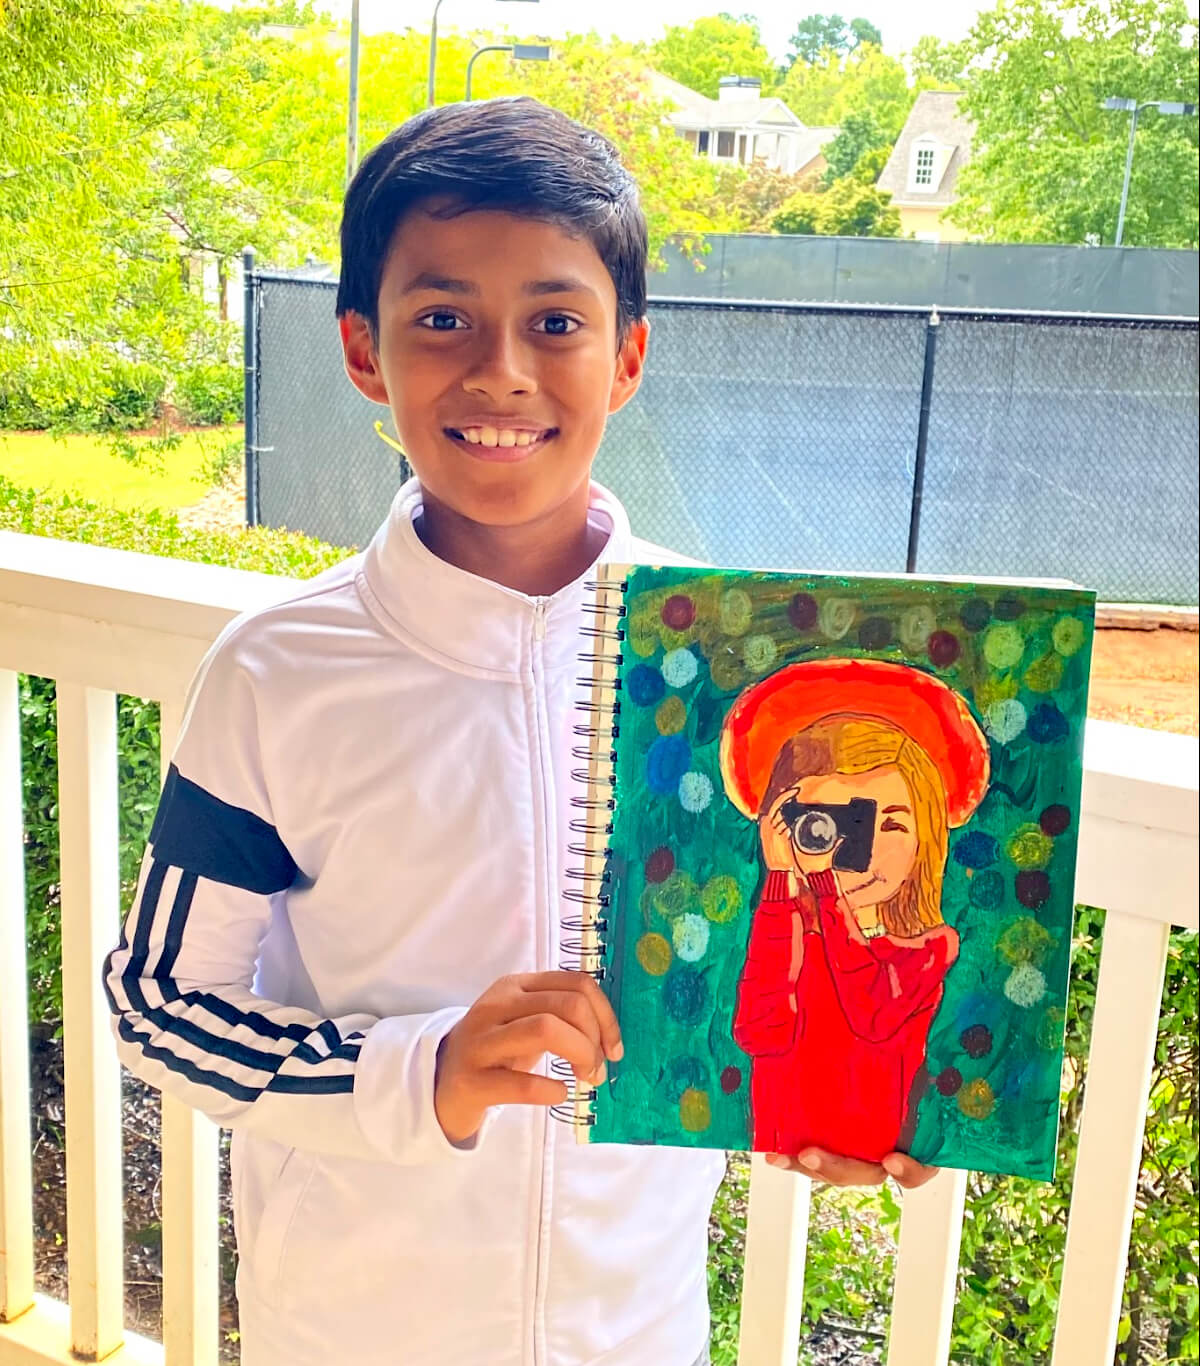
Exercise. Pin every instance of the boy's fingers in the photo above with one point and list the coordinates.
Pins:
(907, 1171)
(576, 997)
(501, 1086)
(521, 1042)
(837, 1171)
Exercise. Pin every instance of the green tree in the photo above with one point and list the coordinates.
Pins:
(858, 136)
(825, 91)
(847, 209)
(818, 34)
(700, 53)
(940, 63)
(1048, 160)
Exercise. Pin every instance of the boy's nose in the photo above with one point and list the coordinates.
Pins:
(501, 368)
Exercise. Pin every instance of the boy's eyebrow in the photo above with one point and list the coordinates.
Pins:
(447, 284)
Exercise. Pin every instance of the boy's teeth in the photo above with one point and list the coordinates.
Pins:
(496, 436)
(506, 438)
(489, 436)
(472, 435)
(524, 438)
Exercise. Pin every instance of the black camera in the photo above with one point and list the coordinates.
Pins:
(817, 829)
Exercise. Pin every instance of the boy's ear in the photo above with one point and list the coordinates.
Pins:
(631, 361)
(362, 361)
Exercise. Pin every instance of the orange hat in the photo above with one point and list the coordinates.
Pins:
(937, 718)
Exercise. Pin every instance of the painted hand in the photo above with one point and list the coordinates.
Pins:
(850, 1171)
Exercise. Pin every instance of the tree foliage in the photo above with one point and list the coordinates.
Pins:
(858, 137)
(1048, 161)
(825, 91)
(700, 53)
(818, 34)
(848, 208)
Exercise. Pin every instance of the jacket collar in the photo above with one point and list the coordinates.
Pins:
(470, 623)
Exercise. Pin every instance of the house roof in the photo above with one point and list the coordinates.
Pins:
(935, 115)
(812, 142)
(694, 110)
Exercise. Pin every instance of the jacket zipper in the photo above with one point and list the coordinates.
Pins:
(545, 950)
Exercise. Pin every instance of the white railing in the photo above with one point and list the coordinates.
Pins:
(103, 621)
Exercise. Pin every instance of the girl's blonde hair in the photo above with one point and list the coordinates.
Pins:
(857, 744)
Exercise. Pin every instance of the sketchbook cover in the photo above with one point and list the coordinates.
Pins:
(837, 898)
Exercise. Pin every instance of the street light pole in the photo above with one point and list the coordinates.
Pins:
(432, 54)
(352, 113)
(522, 52)
(1132, 107)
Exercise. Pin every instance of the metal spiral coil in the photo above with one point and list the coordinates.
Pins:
(586, 897)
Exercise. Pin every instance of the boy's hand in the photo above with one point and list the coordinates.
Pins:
(849, 1171)
(486, 1058)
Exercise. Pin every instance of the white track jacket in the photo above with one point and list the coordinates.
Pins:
(363, 827)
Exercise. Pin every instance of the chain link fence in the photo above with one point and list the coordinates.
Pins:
(783, 435)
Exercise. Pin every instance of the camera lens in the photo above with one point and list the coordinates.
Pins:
(815, 832)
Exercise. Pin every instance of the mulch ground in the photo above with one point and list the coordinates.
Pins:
(1147, 678)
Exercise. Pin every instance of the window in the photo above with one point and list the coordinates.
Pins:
(725, 143)
(924, 171)
(702, 143)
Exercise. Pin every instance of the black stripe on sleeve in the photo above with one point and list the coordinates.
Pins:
(210, 838)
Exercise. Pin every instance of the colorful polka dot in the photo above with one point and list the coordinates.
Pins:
(731, 1079)
(678, 612)
(1033, 889)
(949, 1081)
(721, 899)
(975, 850)
(975, 614)
(689, 937)
(735, 612)
(695, 792)
(695, 1112)
(1068, 635)
(1045, 673)
(1029, 846)
(1003, 646)
(644, 685)
(976, 1099)
(654, 954)
(684, 1072)
(671, 716)
(667, 760)
(660, 864)
(677, 895)
(835, 618)
(679, 668)
(1004, 721)
(1047, 724)
(726, 670)
(802, 611)
(916, 627)
(1025, 986)
(987, 890)
(1049, 1033)
(943, 648)
(685, 996)
(758, 654)
(1055, 819)
(1024, 941)
(875, 633)
(1009, 608)
(976, 1041)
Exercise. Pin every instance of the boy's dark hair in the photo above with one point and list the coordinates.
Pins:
(513, 153)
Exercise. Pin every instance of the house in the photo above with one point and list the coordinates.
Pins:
(921, 174)
(741, 127)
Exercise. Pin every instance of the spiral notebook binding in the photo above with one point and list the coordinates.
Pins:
(586, 897)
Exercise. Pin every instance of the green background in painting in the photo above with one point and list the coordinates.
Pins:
(1021, 661)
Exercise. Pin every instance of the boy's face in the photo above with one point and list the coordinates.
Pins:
(498, 358)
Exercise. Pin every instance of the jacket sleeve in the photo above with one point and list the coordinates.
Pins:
(181, 981)
(765, 1019)
(880, 982)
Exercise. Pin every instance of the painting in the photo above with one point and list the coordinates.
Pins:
(841, 864)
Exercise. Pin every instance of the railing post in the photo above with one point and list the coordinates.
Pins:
(927, 1272)
(250, 286)
(88, 836)
(773, 1274)
(918, 493)
(16, 1169)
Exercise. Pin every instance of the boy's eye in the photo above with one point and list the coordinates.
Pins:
(559, 325)
(440, 322)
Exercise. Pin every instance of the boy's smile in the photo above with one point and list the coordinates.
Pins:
(498, 357)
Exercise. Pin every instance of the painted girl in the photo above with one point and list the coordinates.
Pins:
(854, 771)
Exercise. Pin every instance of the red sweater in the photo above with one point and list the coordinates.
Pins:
(836, 1050)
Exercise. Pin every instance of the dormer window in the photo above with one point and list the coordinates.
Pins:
(924, 169)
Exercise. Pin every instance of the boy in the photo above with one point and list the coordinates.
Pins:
(344, 942)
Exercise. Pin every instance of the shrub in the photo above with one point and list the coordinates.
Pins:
(210, 395)
(264, 549)
(89, 391)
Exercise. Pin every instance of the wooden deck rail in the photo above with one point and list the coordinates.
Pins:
(103, 622)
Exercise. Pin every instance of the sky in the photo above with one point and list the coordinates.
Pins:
(901, 22)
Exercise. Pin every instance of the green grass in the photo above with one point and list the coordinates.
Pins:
(86, 467)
